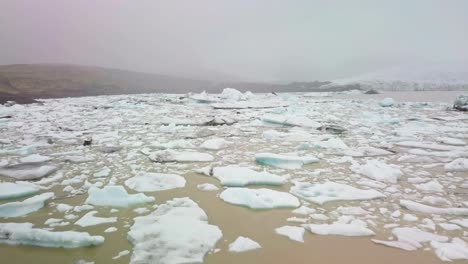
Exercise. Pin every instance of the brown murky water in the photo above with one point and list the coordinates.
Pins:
(233, 221)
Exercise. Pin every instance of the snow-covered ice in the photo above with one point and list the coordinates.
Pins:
(259, 198)
(242, 244)
(239, 176)
(284, 161)
(15, 209)
(115, 196)
(339, 229)
(9, 190)
(90, 220)
(292, 232)
(153, 182)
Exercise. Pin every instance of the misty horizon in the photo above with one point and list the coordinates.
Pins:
(236, 41)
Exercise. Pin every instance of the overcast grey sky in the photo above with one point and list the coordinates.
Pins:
(243, 39)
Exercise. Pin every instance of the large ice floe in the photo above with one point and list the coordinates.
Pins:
(176, 232)
(9, 190)
(25, 234)
(115, 196)
(152, 182)
(239, 176)
(15, 209)
(378, 170)
(284, 161)
(28, 171)
(259, 198)
(321, 193)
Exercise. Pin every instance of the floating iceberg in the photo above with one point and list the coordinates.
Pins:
(15, 209)
(173, 156)
(28, 171)
(24, 234)
(331, 191)
(214, 144)
(339, 229)
(460, 164)
(455, 250)
(9, 190)
(176, 232)
(284, 161)
(289, 120)
(461, 103)
(292, 232)
(387, 102)
(259, 198)
(426, 209)
(240, 176)
(115, 196)
(153, 182)
(379, 171)
(242, 244)
(90, 220)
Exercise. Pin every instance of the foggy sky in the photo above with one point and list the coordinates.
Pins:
(239, 39)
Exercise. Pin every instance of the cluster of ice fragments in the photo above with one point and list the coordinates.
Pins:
(393, 171)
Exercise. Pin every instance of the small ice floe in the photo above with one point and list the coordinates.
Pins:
(179, 156)
(239, 176)
(304, 210)
(330, 191)
(427, 145)
(34, 158)
(214, 144)
(449, 227)
(90, 220)
(110, 229)
(455, 250)
(351, 210)
(9, 190)
(290, 120)
(259, 198)
(25, 234)
(23, 151)
(242, 244)
(330, 143)
(201, 133)
(379, 171)
(292, 232)
(339, 229)
(461, 103)
(461, 222)
(28, 171)
(104, 172)
(220, 121)
(78, 159)
(432, 186)
(460, 164)
(115, 196)
(297, 219)
(15, 209)
(416, 159)
(451, 141)
(284, 161)
(53, 222)
(366, 152)
(153, 182)
(410, 238)
(387, 102)
(207, 187)
(121, 254)
(426, 209)
(176, 232)
(175, 144)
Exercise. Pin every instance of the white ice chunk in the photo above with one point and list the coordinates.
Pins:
(415, 236)
(179, 156)
(330, 191)
(292, 232)
(9, 190)
(102, 173)
(339, 229)
(379, 171)
(284, 161)
(457, 249)
(259, 198)
(422, 208)
(90, 220)
(290, 120)
(153, 182)
(432, 186)
(34, 158)
(304, 210)
(207, 187)
(242, 244)
(28, 171)
(240, 176)
(460, 164)
(24, 234)
(115, 196)
(214, 144)
(176, 232)
(15, 209)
